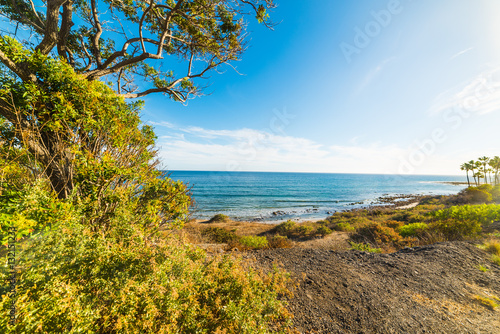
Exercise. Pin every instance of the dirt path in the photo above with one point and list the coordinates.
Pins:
(427, 289)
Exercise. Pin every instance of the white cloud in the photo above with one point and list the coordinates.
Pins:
(162, 124)
(480, 95)
(461, 53)
(255, 150)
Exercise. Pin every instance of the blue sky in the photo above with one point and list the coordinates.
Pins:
(348, 86)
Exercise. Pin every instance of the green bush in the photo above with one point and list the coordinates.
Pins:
(412, 230)
(379, 235)
(285, 227)
(466, 221)
(254, 242)
(483, 214)
(495, 193)
(219, 218)
(279, 241)
(323, 230)
(73, 280)
(364, 247)
(304, 230)
(477, 195)
(219, 235)
(346, 227)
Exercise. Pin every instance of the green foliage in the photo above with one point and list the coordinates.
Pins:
(464, 221)
(412, 230)
(279, 241)
(490, 303)
(219, 218)
(323, 230)
(346, 227)
(253, 242)
(73, 280)
(219, 235)
(31, 209)
(285, 227)
(304, 230)
(492, 247)
(380, 235)
(495, 193)
(364, 247)
(477, 195)
(483, 268)
(97, 152)
(495, 259)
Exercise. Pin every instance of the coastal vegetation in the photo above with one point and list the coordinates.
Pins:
(93, 218)
(472, 214)
(484, 168)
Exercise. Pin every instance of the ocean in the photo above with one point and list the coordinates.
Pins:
(257, 195)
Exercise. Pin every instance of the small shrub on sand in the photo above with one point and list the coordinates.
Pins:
(253, 242)
(345, 227)
(476, 196)
(364, 247)
(323, 230)
(219, 218)
(285, 227)
(305, 230)
(279, 241)
(495, 193)
(380, 235)
(219, 235)
(488, 302)
(412, 230)
(492, 247)
(394, 224)
(483, 268)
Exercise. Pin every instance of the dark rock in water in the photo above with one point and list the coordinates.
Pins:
(279, 213)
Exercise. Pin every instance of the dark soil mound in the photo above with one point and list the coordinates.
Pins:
(431, 289)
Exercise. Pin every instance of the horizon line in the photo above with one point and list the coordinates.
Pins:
(257, 171)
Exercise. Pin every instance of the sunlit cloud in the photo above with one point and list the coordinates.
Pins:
(481, 95)
(461, 53)
(256, 150)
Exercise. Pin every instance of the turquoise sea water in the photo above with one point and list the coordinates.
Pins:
(256, 195)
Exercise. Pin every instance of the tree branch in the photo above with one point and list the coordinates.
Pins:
(95, 40)
(18, 70)
(66, 24)
(51, 27)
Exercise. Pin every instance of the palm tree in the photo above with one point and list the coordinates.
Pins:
(466, 167)
(495, 165)
(479, 175)
(476, 165)
(484, 162)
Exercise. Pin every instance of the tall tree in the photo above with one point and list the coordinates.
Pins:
(484, 162)
(466, 167)
(495, 165)
(137, 47)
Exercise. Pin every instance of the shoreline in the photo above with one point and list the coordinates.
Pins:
(399, 201)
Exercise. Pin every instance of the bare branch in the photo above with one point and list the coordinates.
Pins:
(51, 27)
(95, 40)
(66, 24)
